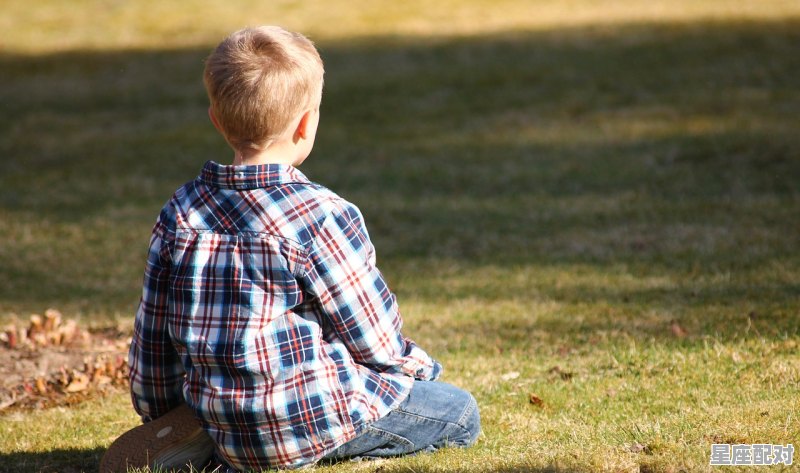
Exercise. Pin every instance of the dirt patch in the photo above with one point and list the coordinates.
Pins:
(46, 362)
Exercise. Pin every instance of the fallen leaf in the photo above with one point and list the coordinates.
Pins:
(79, 383)
(63, 377)
(36, 323)
(11, 334)
(102, 379)
(677, 330)
(22, 336)
(41, 386)
(52, 319)
(536, 400)
(38, 338)
(53, 338)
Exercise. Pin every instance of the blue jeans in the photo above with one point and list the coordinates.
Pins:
(434, 415)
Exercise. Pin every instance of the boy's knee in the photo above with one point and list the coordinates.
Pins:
(471, 422)
(452, 408)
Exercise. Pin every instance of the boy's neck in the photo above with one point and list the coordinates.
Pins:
(276, 153)
(291, 148)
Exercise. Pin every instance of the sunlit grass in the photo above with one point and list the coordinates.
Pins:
(552, 187)
(112, 24)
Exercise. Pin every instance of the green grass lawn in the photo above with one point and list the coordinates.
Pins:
(552, 188)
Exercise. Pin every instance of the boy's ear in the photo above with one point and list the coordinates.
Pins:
(302, 127)
(214, 119)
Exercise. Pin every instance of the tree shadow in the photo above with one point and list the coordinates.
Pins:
(54, 461)
(660, 147)
(79, 461)
(434, 118)
(388, 467)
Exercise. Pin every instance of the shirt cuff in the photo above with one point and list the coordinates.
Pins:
(429, 374)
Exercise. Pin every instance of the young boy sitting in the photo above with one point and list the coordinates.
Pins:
(265, 333)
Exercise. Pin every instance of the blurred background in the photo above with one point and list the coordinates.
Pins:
(652, 145)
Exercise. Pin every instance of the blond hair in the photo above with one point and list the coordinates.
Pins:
(258, 80)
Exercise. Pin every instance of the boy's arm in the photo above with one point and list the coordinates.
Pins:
(156, 373)
(363, 311)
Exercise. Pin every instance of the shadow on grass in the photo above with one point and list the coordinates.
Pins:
(79, 461)
(389, 468)
(54, 461)
(662, 147)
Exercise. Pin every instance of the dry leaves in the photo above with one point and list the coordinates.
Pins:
(68, 385)
(48, 362)
(44, 331)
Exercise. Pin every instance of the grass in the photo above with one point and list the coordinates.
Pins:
(548, 184)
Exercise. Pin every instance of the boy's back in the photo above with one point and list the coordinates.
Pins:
(288, 334)
(262, 308)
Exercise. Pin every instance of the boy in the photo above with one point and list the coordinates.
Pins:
(265, 333)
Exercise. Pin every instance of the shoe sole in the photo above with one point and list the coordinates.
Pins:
(160, 442)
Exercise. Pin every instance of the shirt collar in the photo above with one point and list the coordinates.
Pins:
(249, 177)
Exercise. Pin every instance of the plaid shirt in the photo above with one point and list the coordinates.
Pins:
(263, 310)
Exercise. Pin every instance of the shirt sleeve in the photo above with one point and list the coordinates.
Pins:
(363, 312)
(156, 373)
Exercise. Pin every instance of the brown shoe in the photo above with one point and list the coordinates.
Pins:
(172, 441)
